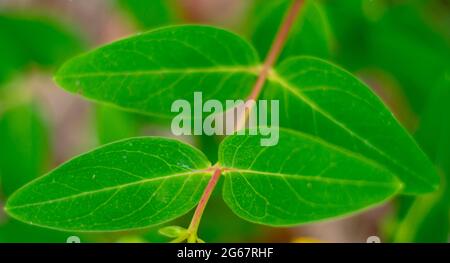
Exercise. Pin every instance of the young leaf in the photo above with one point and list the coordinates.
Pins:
(326, 101)
(24, 146)
(129, 184)
(173, 231)
(310, 34)
(147, 73)
(300, 180)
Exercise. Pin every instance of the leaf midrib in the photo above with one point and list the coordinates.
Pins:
(393, 184)
(277, 78)
(254, 70)
(111, 188)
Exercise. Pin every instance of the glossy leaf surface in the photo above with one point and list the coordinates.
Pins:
(302, 179)
(321, 99)
(148, 72)
(129, 184)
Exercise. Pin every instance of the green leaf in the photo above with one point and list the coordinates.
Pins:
(150, 14)
(148, 72)
(323, 100)
(302, 179)
(310, 34)
(173, 231)
(24, 146)
(129, 184)
(29, 38)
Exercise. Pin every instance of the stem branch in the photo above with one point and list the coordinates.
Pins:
(274, 53)
(195, 222)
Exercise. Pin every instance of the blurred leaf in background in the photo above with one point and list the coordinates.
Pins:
(24, 155)
(392, 36)
(310, 34)
(153, 13)
(407, 40)
(402, 43)
(27, 39)
(349, 26)
(426, 219)
(25, 146)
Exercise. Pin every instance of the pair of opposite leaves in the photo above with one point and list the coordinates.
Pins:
(347, 152)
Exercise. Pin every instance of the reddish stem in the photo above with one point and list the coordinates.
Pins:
(272, 57)
(276, 48)
(204, 200)
(273, 54)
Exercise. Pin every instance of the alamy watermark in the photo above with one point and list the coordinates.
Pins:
(210, 117)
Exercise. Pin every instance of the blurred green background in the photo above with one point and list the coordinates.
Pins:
(401, 49)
